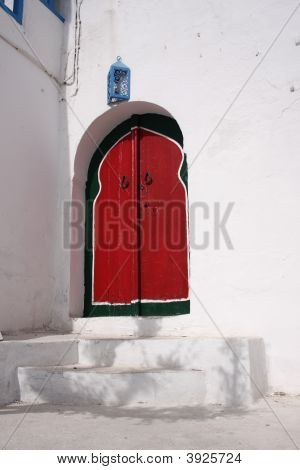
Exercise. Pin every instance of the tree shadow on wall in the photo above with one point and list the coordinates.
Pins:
(243, 378)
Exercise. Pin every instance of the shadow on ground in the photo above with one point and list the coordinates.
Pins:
(141, 413)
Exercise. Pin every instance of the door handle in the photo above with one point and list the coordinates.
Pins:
(124, 183)
(148, 179)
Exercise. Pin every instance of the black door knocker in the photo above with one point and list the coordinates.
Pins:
(124, 183)
(148, 179)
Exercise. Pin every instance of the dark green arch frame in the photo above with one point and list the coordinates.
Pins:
(166, 126)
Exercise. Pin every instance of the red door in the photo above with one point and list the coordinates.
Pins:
(139, 251)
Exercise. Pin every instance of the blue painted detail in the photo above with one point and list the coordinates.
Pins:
(51, 5)
(17, 12)
(118, 82)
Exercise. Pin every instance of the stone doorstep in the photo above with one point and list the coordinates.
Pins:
(117, 362)
(111, 387)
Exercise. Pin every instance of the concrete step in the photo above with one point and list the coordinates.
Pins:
(169, 353)
(37, 350)
(157, 371)
(229, 371)
(235, 368)
(111, 386)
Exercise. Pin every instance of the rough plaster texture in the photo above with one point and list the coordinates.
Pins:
(30, 171)
(192, 66)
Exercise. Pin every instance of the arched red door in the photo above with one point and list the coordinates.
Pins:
(137, 224)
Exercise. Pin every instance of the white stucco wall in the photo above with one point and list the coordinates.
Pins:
(30, 166)
(192, 59)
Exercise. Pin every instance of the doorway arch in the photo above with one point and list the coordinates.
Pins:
(89, 143)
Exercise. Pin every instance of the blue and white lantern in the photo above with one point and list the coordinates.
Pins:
(118, 82)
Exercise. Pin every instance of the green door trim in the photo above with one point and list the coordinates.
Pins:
(163, 125)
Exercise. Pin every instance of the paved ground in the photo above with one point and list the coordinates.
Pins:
(99, 427)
